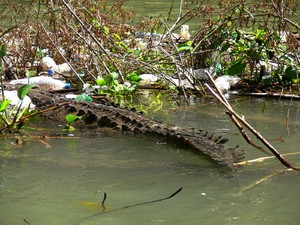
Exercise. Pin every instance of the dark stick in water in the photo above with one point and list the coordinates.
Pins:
(128, 206)
(103, 200)
(26, 221)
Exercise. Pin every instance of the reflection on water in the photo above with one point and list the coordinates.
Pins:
(62, 184)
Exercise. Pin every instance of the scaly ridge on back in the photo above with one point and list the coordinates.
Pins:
(130, 121)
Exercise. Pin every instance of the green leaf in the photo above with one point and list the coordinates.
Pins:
(108, 79)
(290, 74)
(118, 36)
(260, 33)
(135, 78)
(106, 30)
(111, 78)
(123, 45)
(24, 90)
(69, 128)
(184, 47)
(30, 73)
(40, 53)
(4, 104)
(225, 46)
(71, 118)
(101, 82)
(2, 50)
(229, 23)
(236, 68)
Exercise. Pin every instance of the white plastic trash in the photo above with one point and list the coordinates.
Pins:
(146, 78)
(48, 63)
(44, 82)
(13, 97)
(225, 82)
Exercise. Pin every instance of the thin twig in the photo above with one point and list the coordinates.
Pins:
(177, 20)
(59, 52)
(232, 117)
(94, 39)
(250, 128)
(261, 159)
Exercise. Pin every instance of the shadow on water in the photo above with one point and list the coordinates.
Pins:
(64, 183)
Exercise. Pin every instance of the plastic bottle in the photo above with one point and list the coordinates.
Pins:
(44, 82)
(50, 72)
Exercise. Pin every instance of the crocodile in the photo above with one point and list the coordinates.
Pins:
(105, 114)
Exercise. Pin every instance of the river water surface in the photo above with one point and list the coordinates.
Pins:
(62, 181)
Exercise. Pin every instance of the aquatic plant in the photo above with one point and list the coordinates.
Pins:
(11, 118)
(70, 118)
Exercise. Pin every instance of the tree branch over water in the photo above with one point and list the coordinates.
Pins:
(235, 117)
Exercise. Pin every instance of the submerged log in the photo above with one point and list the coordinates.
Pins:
(108, 115)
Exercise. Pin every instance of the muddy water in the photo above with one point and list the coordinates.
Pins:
(62, 181)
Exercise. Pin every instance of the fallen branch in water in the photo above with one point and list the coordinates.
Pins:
(261, 159)
(129, 206)
(236, 118)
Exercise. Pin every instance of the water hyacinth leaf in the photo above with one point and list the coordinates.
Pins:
(24, 90)
(133, 76)
(4, 104)
(101, 82)
(71, 118)
(110, 78)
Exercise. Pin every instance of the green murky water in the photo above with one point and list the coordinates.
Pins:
(61, 184)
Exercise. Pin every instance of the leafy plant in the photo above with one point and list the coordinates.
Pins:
(11, 119)
(252, 53)
(71, 118)
(110, 85)
(185, 47)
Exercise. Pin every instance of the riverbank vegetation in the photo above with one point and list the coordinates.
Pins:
(108, 46)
